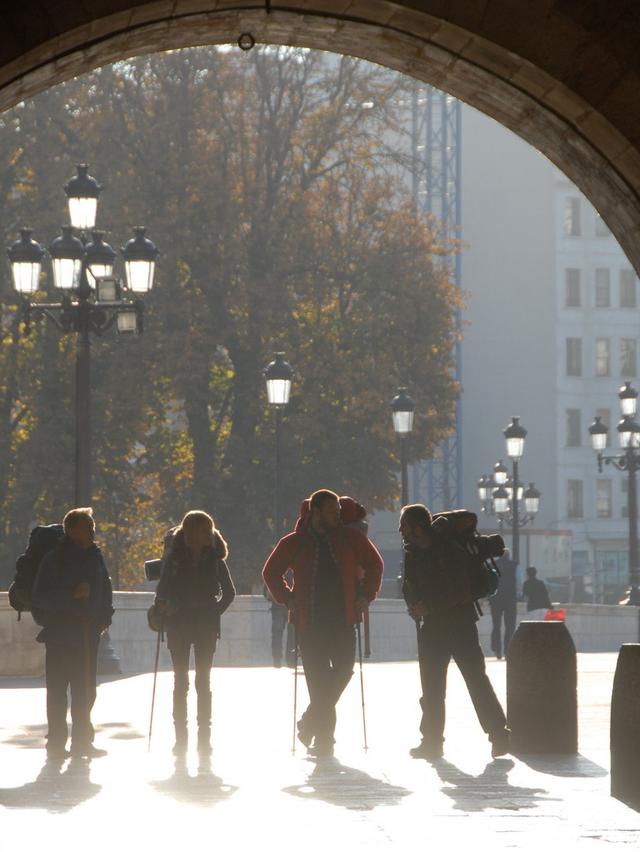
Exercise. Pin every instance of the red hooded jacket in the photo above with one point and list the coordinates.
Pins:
(360, 565)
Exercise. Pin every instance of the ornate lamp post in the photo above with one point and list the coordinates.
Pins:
(629, 461)
(502, 495)
(403, 408)
(93, 299)
(278, 376)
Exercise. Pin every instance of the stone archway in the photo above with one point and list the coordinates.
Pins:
(564, 76)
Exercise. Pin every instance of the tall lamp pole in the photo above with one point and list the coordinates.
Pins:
(93, 299)
(278, 375)
(629, 461)
(403, 408)
(515, 435)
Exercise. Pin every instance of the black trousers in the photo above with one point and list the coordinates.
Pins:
(204, 646)
(71, 667)
(502, 611)
(328, 656)
(438, 643)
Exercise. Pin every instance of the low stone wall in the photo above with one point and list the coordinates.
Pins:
(246, 633)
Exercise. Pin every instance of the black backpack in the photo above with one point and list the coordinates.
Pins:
(42, 540)
(460, 528)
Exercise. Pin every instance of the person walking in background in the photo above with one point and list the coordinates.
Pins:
(504, 605)
(535, 593)
(336, 572)
(194, 590)
(72, 599)
(437, 590)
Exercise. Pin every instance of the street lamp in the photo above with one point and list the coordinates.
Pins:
(515, 435)
(629, 461)
(278, 376)
(92, 300)
(403, 408)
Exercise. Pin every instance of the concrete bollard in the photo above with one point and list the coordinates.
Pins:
(625, 727)
(542, 689)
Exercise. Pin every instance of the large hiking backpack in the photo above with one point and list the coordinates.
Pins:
(460, 527)
(42, 539)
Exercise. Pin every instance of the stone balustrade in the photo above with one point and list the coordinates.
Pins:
(246, 633)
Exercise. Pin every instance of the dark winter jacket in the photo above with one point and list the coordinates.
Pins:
(438, 577)
(67, 619)
(196, 595)
(536, 595)
(507, 594)
(358, 561)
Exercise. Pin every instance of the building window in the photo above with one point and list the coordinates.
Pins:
(572, 288)
(575, 507)
(574, 430)
(628, 356)
(603, 288)
(603, 498)
(627, 288)
(574, 356)
(603, 359)
(605, 418)
(572, 217)
(625, 497)
(601, 227)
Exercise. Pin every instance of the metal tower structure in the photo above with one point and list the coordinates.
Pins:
(436, 185)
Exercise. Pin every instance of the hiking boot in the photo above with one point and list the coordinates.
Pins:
(305, 732)
(57, 753)
(204, 741)
(321, 749)
(500, 743)
(88, 750)
(427, 751)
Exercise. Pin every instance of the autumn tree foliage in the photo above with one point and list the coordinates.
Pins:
(269, 182)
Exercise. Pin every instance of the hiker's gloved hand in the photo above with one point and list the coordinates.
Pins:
(417, 610)
(82, 591)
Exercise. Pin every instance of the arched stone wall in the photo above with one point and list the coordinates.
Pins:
(564, 75)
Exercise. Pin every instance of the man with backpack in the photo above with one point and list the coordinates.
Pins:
(336, 573)
(72, 600)
(438, 588)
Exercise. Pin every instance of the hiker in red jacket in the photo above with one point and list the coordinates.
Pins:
(336, 573)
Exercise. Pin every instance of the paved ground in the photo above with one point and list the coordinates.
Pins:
(255, 794)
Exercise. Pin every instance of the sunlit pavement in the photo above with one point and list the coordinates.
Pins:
(256, 794)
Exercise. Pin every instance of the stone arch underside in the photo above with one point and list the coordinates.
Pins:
(564, 76)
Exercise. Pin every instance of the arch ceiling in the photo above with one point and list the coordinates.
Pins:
(563, 74)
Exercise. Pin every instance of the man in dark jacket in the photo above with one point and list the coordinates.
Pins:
(534, 591)
(504, 605)
(73, 600)
(437, 589)
(336, 573)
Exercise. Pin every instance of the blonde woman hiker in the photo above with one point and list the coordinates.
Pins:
(194, 590)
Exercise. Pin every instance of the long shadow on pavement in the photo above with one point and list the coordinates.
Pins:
(54, 790)
(350, 788)
(564, 765)
(204, 789)
(489, 790)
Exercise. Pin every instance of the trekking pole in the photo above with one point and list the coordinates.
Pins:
(295, 682)
(364, 718)
(367, 635)
(153, 693)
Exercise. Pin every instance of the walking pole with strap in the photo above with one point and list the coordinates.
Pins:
(367, 635)
(155, 678)
(364, 718)
(295, 682)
